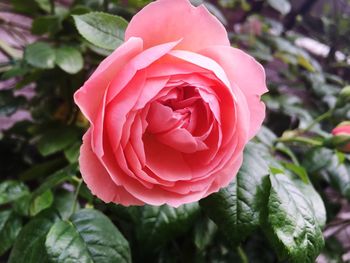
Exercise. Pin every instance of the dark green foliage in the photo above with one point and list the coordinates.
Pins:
(30, 244)
(158, 225)
(10, 225)
(291, 223)
(236, 208)
(88, 236)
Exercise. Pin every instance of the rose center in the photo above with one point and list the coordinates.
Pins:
(179, 118)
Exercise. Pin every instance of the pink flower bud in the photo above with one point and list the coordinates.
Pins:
(342, 136)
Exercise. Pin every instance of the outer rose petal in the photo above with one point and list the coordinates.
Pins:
(226, 175)
(97, 178)
(168, 20)
(246, 73)
(90, 96)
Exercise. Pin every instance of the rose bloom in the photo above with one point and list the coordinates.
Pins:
(170, 110)
(342, 134)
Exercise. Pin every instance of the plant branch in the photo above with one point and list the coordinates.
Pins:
(301, 140)
(320, 118)
(74, 206)
(242, 255)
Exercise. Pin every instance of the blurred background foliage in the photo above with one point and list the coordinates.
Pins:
(290, 200)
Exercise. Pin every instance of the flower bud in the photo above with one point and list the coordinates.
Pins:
(344, 96)
(341, 136)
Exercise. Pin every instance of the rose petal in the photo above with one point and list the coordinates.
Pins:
(136, 140)
(117, 111)
(160, 118)
(172, 66)
(203, 62)
(89, 97)
(127, 128)
(139, 62)
(247, 74)
(212, 100)
(181, 140)
(186, 187)
(97, 178)
(151, 88)
(345, 129)
(165, 162)
(225, 175)
(168, 20)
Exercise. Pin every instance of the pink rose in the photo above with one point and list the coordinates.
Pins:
(342, 135)
(170, 110)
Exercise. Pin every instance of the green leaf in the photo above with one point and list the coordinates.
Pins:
(46, 24)
(69, 59)
(40, 55)
(10, 225)
(290, 222)
(41, 202)
(341, 157)
(72, 153)
(127, 213)
(28, 6)
(21, 205)
(236, 208)
(42, 169)
(204, 233)
(11, 190)
(317, 159)
(89, 236)
(157, 225)
(140, 3)
(101, 29)
(44, 5)
(315, 201)
(287, 151)
(305, 63)
(40, 198)
(80, 10)
(9, 103)
(339, 176)
(29, 246)
(100, 51)
(57, 178)
(266, 136)
(298, 170)
(282, 6)
(55, 140)
(63, 203)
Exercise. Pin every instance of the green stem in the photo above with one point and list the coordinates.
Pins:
(298, 138)
(242, 255)
(105, 5)
(302, 140)
(74, 206)
(76, 179)
(52, 7)
(320, 118)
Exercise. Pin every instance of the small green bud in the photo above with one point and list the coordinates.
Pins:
(344, 96)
